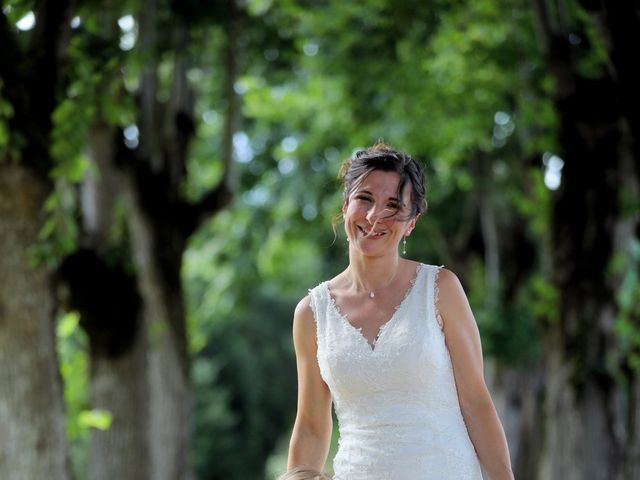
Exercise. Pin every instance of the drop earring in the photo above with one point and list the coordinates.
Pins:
(404, 245)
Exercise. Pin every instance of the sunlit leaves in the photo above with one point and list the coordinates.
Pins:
(95, 418)
(67, 325)
(58, 235)
(93, 94)
(317, 103)
(275, 265)
(258, 7)
(72, 346)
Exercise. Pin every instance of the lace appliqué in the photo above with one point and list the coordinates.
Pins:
(436, 293)
(397, 406)
(390, 320)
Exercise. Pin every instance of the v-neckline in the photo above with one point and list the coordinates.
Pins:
(358, 331)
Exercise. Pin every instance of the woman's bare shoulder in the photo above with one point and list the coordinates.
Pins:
(304, 326)
(449, 285)
(452, 302)
(303, 311)
(304, 303)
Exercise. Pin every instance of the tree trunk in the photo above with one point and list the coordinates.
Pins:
(489, 227)
(579, 440)
(106, 295)
(589, 413)
(32, 431)
(118, 384)
(517, 394)
(118, 373)
(168, 367)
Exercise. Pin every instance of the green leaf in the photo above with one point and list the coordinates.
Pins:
(96, 418)
(68, 324)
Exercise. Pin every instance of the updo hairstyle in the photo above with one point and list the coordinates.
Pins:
(382, 157)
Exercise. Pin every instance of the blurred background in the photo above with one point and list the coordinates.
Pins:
(167, 189)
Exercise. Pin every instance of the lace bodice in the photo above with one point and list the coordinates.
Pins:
(396, 401)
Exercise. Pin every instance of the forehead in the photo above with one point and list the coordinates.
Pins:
(380, 182)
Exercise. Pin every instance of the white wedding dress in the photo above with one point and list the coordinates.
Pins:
(396, 402)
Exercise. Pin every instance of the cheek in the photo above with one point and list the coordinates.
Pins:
(351, 210)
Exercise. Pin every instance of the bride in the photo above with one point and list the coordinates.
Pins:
(394, 346)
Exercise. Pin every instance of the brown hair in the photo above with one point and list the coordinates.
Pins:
(382, 157)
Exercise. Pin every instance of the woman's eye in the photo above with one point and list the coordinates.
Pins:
(364, 197)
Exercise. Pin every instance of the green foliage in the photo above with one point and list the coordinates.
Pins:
(244, 274)
(72, 346)
(542, 298)
(509, 331)
(626, 266)
(245, 391)
(323, 79)
(71, 121)
(205, 167)
(16, 9)
(6, 112)
(244, 372)
(96, 418)
(534, 204)
(93, 94)
(593, 57)
(460, 85)
(58, 235)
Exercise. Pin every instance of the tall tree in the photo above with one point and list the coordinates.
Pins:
(32, 438)
(126, 286)
(140, 365)
(591, 401)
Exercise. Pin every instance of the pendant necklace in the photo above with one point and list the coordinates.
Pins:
(372, 293)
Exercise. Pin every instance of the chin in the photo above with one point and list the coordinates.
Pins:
(375, 252)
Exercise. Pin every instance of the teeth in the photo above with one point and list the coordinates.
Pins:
(370, 233)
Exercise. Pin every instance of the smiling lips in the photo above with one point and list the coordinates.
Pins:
(371, 233)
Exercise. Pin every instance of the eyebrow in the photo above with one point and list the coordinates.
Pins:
(369, 193)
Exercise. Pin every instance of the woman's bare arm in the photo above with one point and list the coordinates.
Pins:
(311, 435)
(463, 341)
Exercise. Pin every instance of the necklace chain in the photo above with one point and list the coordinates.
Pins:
(372, 293)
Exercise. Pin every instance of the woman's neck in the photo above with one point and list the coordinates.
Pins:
(372, 273)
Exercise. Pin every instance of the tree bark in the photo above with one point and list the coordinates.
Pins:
(517, 394)
(119, 386)
(32, 430)
(489, 228)
(158, 243)
(139, 354)
(586, 429)
(118, 344)
(168, 365)
(118, 355)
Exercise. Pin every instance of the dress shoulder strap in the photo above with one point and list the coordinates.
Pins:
(319, 297)
(432, 295)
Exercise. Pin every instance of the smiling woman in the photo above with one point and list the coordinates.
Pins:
(394, 345)
(376, 216)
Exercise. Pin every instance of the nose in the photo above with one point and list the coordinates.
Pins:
(374, 214)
